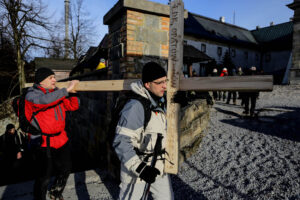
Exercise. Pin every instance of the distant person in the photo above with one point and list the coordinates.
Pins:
(12, 153)
(241, 73)
(215, 74)
(50, 105)
(232, 93)
(223, 93)
(250, 96)
(101, 64)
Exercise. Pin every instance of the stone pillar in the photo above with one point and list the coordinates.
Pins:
(138, 33)
(295, 69)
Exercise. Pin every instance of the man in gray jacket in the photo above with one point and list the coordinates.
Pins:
(133, 142)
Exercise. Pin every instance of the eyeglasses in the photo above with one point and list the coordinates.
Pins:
(161, 82)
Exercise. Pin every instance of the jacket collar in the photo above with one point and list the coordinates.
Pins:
(138, 88)
(44, 90)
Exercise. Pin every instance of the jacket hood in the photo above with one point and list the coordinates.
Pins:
(138, 88)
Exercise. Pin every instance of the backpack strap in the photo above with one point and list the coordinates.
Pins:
(47, 136)
(146, 105)
(48, 142)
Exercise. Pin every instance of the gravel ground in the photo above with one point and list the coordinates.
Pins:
(242, 158)
(239, 158)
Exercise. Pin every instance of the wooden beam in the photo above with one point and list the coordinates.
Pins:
(104, 85)
(228, 83)
(175, 63)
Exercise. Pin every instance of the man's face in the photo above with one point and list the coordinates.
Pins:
(49, 82)
(11, 131)
(158, 86)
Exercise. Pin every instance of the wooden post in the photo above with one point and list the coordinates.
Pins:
(175, 64)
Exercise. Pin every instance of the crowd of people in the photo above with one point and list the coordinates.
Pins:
(248, 99)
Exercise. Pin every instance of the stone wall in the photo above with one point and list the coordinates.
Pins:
(194, 119)
(295, 70)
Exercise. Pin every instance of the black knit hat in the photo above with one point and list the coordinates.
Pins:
(42, 73)
(9, 126)
(152, 71)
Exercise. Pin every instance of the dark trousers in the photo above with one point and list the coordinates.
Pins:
(222, 94)
(59, 164)
(250, 97)
(233, 94)
(215, 95)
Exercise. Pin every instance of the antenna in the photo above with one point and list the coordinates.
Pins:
(67, 12)
(233, 17)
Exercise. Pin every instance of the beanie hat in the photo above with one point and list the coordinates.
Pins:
(152, 71)
(9, 126)
(42, 73)
(215, 70)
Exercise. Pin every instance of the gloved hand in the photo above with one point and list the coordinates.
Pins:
(181, 98)
(149, 174)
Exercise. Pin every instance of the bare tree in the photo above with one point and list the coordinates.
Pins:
(24, 22)
(56, 46)
(82, 29)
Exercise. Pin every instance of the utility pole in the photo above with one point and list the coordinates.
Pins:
(67, 45)
(233, 17)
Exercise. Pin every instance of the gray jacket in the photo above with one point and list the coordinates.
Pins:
(130, 133)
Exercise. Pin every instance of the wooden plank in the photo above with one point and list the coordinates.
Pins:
(228, 83)
(104, 85)
(175, 63)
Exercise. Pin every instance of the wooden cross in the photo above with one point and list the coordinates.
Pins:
(175, 63)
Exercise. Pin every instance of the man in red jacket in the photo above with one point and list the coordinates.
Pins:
(45, 108)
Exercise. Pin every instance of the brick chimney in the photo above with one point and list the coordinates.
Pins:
(295, 69)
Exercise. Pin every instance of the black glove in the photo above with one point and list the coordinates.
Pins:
(149, 174)
(181, 98)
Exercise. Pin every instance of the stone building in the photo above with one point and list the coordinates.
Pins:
(268, 48)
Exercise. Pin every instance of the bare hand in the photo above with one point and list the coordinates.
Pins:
(19, 155)
(72, 85)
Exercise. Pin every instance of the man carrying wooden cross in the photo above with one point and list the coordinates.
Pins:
(134, 143)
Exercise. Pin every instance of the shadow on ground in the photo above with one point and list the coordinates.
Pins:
(285, 124)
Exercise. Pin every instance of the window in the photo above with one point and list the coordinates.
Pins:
(246, 55)
(203, 48)
(233, 53)
(219, 51)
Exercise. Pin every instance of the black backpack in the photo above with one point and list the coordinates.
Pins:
(112, 158)
(119, 105)
(18, 105)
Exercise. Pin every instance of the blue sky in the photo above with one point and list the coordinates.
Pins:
(248, 13)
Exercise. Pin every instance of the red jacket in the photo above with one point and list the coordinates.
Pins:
(51, 107)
